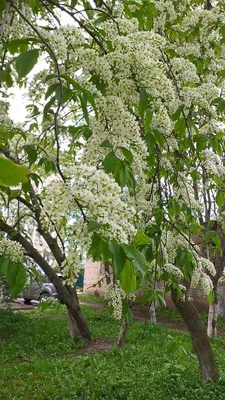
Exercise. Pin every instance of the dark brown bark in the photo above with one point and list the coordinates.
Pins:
(199, 338)
(66, 294)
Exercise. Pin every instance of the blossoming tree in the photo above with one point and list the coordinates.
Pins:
(124, 143)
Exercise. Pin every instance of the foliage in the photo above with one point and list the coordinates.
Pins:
(123, 139)
(125, 93)
(38, 360)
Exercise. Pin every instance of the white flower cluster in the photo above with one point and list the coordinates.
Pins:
(201, 278)
(12, 250)
(199, 275)
(101, 198)
(184, 192)
(173, 270)
(184, 70)
(115, 295)
(79, 244)
(57, 199)
(212, 163)
(121, 130)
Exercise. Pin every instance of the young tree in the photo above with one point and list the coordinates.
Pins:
(126, 142)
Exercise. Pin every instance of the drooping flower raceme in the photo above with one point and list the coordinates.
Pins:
(12, 250)
(115, 295)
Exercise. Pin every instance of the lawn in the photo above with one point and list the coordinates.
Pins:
(39, 361)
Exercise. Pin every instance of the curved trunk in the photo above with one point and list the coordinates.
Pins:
(67, 294)
(199, 338)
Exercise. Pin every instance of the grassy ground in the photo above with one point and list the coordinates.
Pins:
(38, 361)
(90, 298)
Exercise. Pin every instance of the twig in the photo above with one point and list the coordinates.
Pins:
(57, 5)
(56, 114)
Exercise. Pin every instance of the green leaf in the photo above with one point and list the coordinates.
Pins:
(110, 162)
(208, 236)
(32, 156)
(50, 90)
(32, 3)
(151, 141)
(149, 254)
(143, 102)
(25, 62)
(140, 239)
(216, 240)
(148, 118)
(13, 194)
(2, 7)
(63, 94)
(93, 226)
(136, 256)
(16, 277)
(122, 176)
(127, 154)
(180, 127)
(12, 174)
(73, 3)
(3, 265)
(49, 166)
(106, 143)
(159, 137)
(128, 278)
(99, 249)
(47, 107)
(118, 256)
(220, 198)
(222, 104)
(83, 102)
(3, 130)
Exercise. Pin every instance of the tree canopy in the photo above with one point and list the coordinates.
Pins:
(123, 140)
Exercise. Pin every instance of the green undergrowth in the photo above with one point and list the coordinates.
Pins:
(91, 298)
(38, 360)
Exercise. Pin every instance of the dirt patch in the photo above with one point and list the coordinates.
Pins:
(97, 346)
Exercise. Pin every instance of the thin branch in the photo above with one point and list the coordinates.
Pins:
(54, 57)
(185, 237)
(83, 26)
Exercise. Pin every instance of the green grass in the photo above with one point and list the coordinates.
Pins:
(91, 298)
(38, 361)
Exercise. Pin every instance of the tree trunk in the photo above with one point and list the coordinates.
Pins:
(199, 338)
(152, 313)
(220, 303)
(215, 310)
(212, 320)
(107, 273)
(123, 331)
(73, 329)
(76, 314)
(67, 294)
